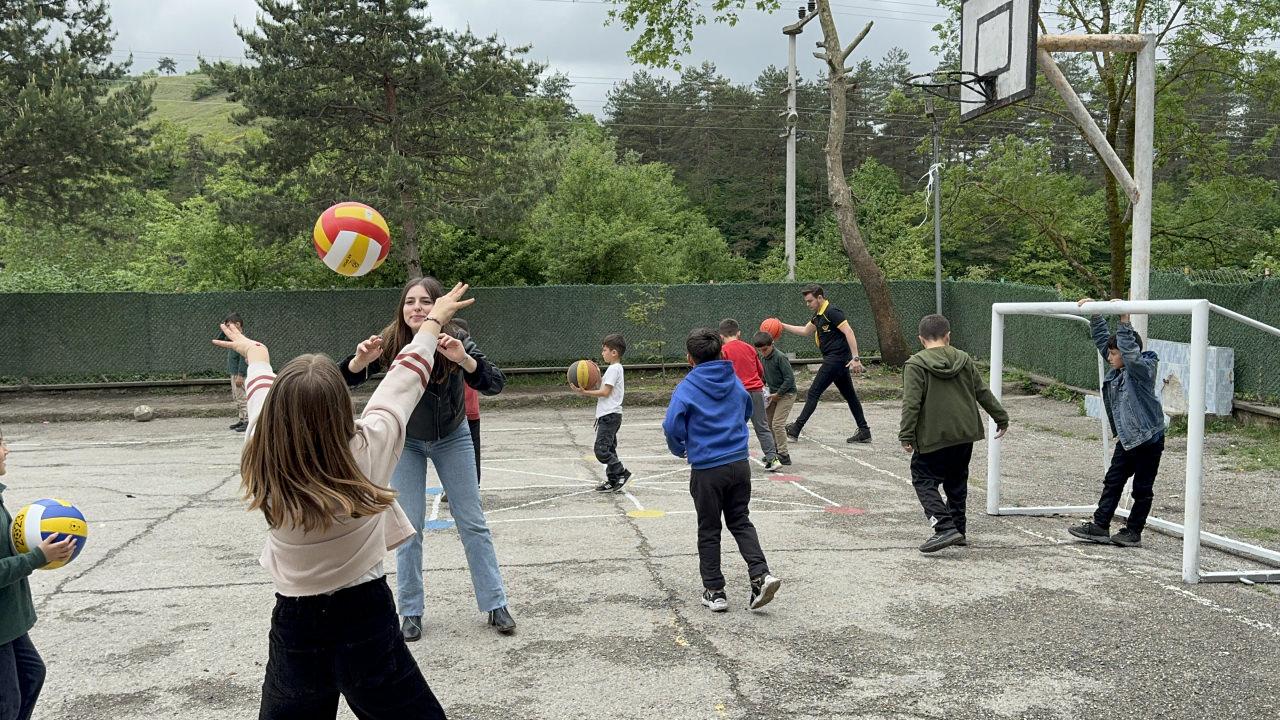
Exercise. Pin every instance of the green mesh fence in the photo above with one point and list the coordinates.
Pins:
(1257, 354)
(84, 337)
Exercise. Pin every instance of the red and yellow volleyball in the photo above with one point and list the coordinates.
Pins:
(351, 238)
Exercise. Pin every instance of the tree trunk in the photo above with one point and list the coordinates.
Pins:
(409, 243)
(893, 348)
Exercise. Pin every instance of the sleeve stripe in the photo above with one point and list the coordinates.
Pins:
(409, 363)
(256, 388)
(425, 362)
(259, 381)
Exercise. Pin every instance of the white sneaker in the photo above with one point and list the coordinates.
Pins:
(715, 600)
(763, 589)
(773, 465)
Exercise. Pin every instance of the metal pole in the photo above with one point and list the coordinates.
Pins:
(936, 172)
(1195, 442)
(792, 116)
(1143, 151)
(997, 387)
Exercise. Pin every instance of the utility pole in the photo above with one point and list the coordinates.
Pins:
(792, 115)
(935, 172)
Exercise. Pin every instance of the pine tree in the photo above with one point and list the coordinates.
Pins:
(69, 125)
(366, 100)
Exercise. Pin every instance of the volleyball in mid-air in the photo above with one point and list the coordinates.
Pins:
(42, 518)
(351, 238)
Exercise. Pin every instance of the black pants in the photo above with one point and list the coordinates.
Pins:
(1140, 463)
(474, 425)
(724, 490)
(344, 644)
(607, 444)
(833, 371)
(947, 468)
(21, 677)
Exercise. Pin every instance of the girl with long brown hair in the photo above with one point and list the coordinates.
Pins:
(437, 432)
(320, 478)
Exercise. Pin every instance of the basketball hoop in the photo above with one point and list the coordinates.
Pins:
(949, 87)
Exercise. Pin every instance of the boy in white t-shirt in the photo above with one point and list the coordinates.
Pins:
(609, 413)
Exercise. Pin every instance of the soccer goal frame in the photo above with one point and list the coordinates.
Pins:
(1192, 536)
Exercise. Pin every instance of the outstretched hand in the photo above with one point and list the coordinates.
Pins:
(447, 305)
(250, 350)
(369, 350)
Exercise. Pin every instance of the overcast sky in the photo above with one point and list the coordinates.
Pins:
(569, 36)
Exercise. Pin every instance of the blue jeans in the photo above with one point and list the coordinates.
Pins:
(21, 677)
(454, 459)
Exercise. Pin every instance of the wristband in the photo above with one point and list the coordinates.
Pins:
(435, 320)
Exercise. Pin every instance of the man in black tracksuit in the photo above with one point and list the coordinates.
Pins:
(834, 337)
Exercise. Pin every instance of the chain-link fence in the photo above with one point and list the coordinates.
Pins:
(83, 337)
(1257, 354)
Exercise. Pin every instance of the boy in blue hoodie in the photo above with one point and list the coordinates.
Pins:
(1137, 422)
(706, 423)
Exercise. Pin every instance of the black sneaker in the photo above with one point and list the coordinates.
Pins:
(236, 425)
(242, 427)
(862, 436)
(763, 588)
(784, 458)
(411, 628)
(715, 600)
(621, 480)
(1091, 532)
(608, 485)
(940, 540)
(502, 621)
(793, 432)
(1127, 538)
(963, 541)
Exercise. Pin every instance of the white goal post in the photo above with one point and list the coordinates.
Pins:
(1192, 536)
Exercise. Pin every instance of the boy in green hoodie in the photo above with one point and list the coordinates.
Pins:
(21, 669)
(941, 391)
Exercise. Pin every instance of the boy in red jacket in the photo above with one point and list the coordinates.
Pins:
(746, 365)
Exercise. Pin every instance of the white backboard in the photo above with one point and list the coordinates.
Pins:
(998, 40)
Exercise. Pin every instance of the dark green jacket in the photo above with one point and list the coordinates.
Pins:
(941, 391)
(17, 614)
(778, 374)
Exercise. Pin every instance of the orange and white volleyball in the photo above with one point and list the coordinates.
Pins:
(351, 238)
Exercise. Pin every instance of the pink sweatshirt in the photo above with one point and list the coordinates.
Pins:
(315, 563)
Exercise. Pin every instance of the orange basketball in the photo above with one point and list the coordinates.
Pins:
(773, 326)
(584, 374)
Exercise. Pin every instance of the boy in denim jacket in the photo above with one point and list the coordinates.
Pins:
(1137, 421)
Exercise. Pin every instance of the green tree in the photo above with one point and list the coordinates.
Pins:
(167, 65)
(67, 128)
(366, 99)
(612, 220)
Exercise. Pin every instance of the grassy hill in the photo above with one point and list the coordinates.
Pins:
(209, 116)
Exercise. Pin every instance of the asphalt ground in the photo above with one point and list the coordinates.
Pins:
(166, 612)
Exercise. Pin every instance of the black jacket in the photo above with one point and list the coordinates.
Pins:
(441, 410)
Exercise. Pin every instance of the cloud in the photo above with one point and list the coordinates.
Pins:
(570, 37)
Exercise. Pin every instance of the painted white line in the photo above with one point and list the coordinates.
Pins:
(559, 517)
(633, 499)
(490, 488)
(663, 474)
(1205, 602)
(784, 502)
(537, 474)
(539, 502)
(753, 512)
(557, 428)
(832, 503)
(858, 460)
(487, 460)
(435, 507)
